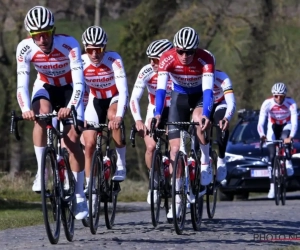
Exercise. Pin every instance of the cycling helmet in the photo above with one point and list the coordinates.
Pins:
(156, 48)
(279, 89)
(186, 38)
(38, 18)
(94, 35)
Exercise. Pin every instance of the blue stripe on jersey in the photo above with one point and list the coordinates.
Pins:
(207, 102)
(185, 90)
(160, 96)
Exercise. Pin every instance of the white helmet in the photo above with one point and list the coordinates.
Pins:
(94, 35)
(279, 89)
(186, 38)
(156, 48)
(38, 18)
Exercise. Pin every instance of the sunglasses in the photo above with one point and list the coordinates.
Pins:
(44, 33)
(277, 96)
(154, 60)
(98, 50)
(187, 52)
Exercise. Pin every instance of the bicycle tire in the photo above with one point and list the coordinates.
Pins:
(197, 207)
(276, 180)
(67, 216)
(95, 188)
(212, 192)
(155, 168)
(283, 186)
(52, 195)
(180, 221)
(113, 191)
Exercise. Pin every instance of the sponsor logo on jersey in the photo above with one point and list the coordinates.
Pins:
(101, 79)
(166, 61)
(145, 72)
(67, 47)
(53, 66)
(22, 52)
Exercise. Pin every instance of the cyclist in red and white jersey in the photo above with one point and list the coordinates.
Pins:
(222, 111)
(59, 84)
(147, 78)
(281, 112)
(106, 83)
(191, 70)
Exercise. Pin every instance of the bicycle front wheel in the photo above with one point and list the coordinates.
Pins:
(212, 189)
(50, 192)
(283, 184)
(179, 192)
(276, 180)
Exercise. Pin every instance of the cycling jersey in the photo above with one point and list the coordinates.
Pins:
(197, 77)
(147, 78)
(223, 93)
(107, 79)
(286, 113)
(61, 67)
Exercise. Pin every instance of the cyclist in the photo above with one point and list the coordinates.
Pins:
(191, 70)
(281, 112)
(59, 83)
(106, 84)
(147, 78)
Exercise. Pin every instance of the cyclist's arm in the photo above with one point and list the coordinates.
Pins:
(162, 81)
(77, 75)
(23, 71)
(86, 95)
(229, 98)
(263, 114)
(121, 84)
(294, 119)
(136, 95)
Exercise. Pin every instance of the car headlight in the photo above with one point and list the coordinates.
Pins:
(233, 157)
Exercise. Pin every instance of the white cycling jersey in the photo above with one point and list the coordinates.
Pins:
(107, 79)
(286, 113)
(223, 93)
(61, 67)
(147, 78)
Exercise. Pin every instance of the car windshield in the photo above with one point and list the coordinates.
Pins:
(246, 132)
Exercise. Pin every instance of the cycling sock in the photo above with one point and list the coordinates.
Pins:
(221, 161)
(121, 163)
(39, 153)
(79, 178)
(204, 153)
(87, 180)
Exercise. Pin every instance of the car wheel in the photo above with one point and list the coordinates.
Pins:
(225, 196)
(242, 197)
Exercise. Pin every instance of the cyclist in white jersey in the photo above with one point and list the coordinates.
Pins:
(147, 78)
(281, 112)
(59, 84)
(106, 83)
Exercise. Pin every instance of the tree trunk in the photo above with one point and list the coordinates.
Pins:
(97, 21)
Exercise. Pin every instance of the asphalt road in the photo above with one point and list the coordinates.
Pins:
(254, 224)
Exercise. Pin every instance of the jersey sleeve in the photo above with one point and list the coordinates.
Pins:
(294, 118)
(229, 98)
(136, 95)
(263, 114)
(77, 74)
(121, 84)
(23, 71)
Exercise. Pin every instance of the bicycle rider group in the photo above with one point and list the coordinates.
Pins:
(180, 77)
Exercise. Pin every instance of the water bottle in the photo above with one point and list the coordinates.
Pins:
(107, 164)
(166, 163)
(192, 168)
(61, 167)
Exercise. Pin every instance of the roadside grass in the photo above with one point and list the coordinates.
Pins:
(288, 248)
(20, 207)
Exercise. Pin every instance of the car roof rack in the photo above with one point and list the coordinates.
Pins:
(246, 114)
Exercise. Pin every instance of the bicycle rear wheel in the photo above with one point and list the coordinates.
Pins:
(212, 189)
(68, 187)
(50, 192)
(113, 189)
(179, 192)
(95, 191)
(276, 180)
(155, 185)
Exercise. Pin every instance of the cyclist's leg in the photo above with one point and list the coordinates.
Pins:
(285, 134)
(40, 105)
(120, 173)
(222, 143)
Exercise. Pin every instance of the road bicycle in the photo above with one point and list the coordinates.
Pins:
(57, 179)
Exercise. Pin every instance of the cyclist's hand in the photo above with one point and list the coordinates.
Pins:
(263, 138)
(63, 113)
(28, 115)
(158, 117)
(141, 127)
(206, 123)
(224, 124)
(287, 140)
(115, 123)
